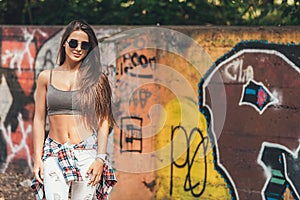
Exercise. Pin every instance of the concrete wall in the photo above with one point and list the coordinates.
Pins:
(202, 112)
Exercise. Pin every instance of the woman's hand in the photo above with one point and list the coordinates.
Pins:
(38, 170)
(95, 170)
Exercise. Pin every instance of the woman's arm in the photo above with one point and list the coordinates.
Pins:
(96, 168)
(103, 137)
(103, 110)
(39, 122)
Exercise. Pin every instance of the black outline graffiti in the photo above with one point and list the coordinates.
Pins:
(141, 97)
(3, 147)
(284, 167)
(257, 95)
(206, 111)
(131, 132)
(188, 163)
(19, 99)
(108, 70)
(48, 59)
(135, 61)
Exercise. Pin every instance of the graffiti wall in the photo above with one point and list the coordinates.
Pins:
(19, 51)
(202, 113)
(258, 84)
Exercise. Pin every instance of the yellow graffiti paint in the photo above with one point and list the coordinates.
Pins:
(214, 187)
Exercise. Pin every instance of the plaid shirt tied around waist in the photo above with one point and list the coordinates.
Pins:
(67, 163)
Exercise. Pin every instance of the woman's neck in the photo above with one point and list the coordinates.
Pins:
(71, 66)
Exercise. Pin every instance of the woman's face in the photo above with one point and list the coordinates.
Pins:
(77, 46)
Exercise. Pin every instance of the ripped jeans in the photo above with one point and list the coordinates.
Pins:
(56, 188)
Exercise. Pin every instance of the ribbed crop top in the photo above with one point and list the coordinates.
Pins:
(60, 102)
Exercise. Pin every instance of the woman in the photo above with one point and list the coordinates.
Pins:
(73, 156)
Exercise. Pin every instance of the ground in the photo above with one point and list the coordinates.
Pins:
(15, 186)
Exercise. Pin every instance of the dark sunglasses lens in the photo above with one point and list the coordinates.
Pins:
(85, 45)
(73, 43)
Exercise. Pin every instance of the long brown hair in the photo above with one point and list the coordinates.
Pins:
(95, 92)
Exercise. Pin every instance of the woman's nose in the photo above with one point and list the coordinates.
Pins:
(78, 48)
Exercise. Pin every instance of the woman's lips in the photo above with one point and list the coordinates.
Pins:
(77, 54)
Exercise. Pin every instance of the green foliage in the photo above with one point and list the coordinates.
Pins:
(151, 12)
(262, 12)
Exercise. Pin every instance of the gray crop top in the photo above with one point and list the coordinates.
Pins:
(60, 102)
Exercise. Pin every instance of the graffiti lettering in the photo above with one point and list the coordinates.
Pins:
(281, 166)
(48, 59)
(130, 62)
(141, 96)
(131, 133)
(19, 47)
(235, 72)
(188, 185)
(109, 70)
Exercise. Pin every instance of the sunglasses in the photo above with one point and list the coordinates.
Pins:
(74, 43)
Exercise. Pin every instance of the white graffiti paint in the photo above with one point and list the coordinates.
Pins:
(236, 72)
(268, 169)
(273, 99)
(16, 148)
(16, 56)
(277, 94)
(5, 98)
(214, 122)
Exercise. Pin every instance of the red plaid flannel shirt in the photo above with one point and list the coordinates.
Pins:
(67, 162)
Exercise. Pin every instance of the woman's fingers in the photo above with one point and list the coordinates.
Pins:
(97, 179)
(39, 175)
(89, 171)
(38, 171)
(42, 172)
(93, 179)
(95, 171)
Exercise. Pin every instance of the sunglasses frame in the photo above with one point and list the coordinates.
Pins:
(73, 43)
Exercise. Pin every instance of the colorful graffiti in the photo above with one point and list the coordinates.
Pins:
(237, 139)
(260, 83)
(282, 166)
(25, 52)
(19, 48)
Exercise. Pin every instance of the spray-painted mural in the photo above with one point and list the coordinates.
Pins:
(19, 47)
(233, 135)
(25, 52)
(256, 151)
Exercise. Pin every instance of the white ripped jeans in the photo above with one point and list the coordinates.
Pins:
(56, 188)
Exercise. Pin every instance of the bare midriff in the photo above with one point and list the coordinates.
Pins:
(68, 128)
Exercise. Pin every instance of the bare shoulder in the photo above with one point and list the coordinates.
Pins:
(44, 77)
